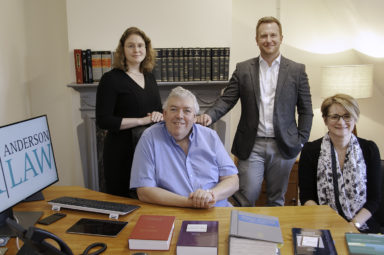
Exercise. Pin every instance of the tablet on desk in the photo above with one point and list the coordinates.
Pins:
(96, 227)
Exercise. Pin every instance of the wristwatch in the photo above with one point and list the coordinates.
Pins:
(357, 225)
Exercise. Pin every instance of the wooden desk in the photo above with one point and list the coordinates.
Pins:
(321, 217)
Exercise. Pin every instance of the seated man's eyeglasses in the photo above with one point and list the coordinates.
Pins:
(336, 117)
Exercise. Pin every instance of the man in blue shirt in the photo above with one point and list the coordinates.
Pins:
(180, 163)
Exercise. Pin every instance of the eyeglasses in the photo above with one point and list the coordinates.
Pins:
(133, 46)
(336, 117)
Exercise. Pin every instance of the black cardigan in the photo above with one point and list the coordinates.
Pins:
(308, 172)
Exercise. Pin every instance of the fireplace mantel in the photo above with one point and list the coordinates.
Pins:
(206, 93)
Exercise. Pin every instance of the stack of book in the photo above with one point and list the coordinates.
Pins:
(91, 65)
(260, 234)
(191, 64)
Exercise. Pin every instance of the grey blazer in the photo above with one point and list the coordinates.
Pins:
(292, 91)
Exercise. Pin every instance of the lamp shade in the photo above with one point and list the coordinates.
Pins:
(354, 80)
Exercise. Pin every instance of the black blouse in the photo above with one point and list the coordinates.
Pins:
(119, 96)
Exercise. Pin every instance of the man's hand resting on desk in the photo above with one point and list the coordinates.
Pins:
(202, 198)
(197, 199)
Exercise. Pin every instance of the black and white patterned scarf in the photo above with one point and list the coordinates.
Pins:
(351, 182)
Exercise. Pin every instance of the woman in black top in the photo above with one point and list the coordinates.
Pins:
(340, 169)
(127, 100)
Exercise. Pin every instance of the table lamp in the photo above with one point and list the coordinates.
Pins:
(353, 80)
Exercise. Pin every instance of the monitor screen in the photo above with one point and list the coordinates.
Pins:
(27, 163)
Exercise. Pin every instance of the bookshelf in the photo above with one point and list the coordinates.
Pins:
(206, 93)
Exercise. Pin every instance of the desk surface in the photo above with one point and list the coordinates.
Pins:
(318, 217)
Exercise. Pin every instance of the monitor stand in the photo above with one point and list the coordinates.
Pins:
(25, 219)
(38, 196)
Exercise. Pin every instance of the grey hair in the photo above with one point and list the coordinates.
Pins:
(182, 93)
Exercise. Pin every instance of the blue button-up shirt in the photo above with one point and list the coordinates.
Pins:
(160, 162)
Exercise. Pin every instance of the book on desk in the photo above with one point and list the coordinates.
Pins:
(152, 232)
(360, 244)
(198, 237)
(313, 241)
(260, 234)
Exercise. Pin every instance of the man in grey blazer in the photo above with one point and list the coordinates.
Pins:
(268, 138)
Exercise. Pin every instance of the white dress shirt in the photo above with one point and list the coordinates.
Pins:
(268, 81)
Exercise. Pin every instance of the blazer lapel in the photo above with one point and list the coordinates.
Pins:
(254, 71)
(283, 72)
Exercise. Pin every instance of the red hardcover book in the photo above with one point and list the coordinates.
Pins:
(152, 232)
(78, 66)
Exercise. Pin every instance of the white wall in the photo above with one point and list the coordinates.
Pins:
(14, 99)
(169, 23)
(47, 72)
(34, 68)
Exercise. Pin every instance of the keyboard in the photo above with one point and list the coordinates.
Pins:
(98, 206)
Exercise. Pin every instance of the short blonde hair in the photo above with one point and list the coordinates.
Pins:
(120, 61)
(269, 19)
(349, 103)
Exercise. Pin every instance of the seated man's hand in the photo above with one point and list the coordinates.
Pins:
(202, 199)
(204, 119)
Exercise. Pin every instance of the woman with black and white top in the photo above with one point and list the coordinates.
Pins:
(340, 169)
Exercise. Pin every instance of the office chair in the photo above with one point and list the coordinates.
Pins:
(239, 200)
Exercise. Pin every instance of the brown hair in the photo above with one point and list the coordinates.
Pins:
(269, 19)
(349, 103)
(120, 61)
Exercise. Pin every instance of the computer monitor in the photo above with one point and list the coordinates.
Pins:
(27, 166)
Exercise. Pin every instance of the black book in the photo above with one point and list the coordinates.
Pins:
(176, 59)
(196, 64)
(313, 241)
(181, 64)
(185, 63)
(203, 53)
(226, 63)
(89, 66)
(208, 64)
(84, 66)
(215, 64)
(190, 64)
(221, 64)
(164, 72)
(157, 67)
(170, 53)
